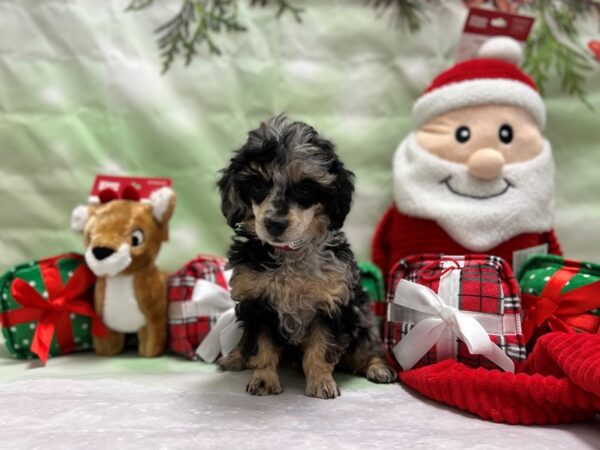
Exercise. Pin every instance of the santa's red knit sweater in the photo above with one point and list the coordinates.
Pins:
(398, 236)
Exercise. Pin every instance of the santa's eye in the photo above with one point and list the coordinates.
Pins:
(137, 238)
(463, 134)
(505, 133)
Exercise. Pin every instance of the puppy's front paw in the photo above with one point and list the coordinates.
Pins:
(380, 373)
(264, 383)
(234, 362)
(323, 387)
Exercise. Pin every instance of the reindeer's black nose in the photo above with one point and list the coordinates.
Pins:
(276, 227)
(102, 252)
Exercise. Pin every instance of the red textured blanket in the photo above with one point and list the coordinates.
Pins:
(559, 383)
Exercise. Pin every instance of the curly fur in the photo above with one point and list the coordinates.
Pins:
(305, 303)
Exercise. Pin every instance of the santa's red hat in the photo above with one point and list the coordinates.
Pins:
(491, 78)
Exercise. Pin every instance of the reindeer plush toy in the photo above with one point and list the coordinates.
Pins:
(122, 238)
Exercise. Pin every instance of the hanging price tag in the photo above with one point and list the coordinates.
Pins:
(483, 24)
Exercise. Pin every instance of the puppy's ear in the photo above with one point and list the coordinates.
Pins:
(233, 206)
(339, 204)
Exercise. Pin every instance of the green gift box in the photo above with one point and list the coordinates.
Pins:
(46, 307)
(559, 295)
(371, 280)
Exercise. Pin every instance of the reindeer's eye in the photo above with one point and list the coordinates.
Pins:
(137, 238)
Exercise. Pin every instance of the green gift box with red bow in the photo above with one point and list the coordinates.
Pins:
(559, 295)
(371, 281)
(46, 308)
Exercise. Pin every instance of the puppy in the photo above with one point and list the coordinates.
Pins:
(286, 194)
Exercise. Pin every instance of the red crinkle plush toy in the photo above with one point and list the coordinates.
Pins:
(477, 175)
(559, 383)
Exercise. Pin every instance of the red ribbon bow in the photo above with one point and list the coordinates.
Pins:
(562, 311)
(53, 314)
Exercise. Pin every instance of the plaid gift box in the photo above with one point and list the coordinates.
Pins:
(198, 296)
(46, 307)
(470, 301)
(559, 295)
(371, 281)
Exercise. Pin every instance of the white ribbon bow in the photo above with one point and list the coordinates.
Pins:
(426, 333)
(210, 299)
(222, 338)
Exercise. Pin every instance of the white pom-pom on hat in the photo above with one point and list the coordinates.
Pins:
(503, 48)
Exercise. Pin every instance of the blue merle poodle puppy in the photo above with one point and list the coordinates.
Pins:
(295, 280)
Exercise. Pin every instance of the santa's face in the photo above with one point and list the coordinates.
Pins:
(485, 138)
(484, 174)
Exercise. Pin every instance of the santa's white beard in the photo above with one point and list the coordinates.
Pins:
(478, 214)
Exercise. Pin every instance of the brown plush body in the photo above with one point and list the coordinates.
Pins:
(123, 239)
(150, 292)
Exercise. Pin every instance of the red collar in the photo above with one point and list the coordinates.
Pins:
(289, 246)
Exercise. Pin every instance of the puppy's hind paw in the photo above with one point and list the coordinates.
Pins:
(325, 388)
(263, 384)
(381, 373)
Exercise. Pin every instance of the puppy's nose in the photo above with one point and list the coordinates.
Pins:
(275, 226)
(102, 252)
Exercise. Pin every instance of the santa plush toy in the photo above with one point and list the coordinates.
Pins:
(477, 175)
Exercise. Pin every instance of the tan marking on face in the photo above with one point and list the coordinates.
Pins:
(299, 169)
(438, 135)
(300, 221)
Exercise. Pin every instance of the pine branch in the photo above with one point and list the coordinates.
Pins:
(193, 26)
(198, 21)
(407, 14)
(137, 5)
(545, 52)
(283, 6)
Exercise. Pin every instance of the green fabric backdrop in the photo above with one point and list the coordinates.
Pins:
(81, 93)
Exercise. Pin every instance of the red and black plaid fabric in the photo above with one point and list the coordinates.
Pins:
(188, 331)
(487, 285)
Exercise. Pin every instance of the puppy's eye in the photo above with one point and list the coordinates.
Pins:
(505, 133)
(259, 189)
(137, 238)
(304, 194)
(463, 134)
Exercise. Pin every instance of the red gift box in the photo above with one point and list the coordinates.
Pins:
(464, 306)
(198, 296)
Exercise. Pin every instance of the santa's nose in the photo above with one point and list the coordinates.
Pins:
(486, 163)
